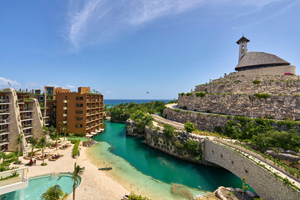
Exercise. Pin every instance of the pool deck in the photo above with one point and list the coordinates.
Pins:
(94, 185)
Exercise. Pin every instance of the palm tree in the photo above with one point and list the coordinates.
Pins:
(43, 145)
(54, 193)
(77, 170)
(45, 130)
(56, 136)
(19, 142)
(65, 130)
(33, 142)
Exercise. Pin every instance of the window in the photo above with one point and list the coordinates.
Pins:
(79, 98)
(79, 105)
(79, 118)
(79, 111)
(66, 97)
(78, 125)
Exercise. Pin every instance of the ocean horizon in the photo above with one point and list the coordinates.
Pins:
(119, 101)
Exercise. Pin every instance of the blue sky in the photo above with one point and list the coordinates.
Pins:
(124, 48)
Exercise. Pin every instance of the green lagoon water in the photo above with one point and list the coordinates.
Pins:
(152, 173)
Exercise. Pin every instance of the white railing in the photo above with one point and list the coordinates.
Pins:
(13, 180)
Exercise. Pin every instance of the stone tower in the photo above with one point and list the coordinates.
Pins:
(243, 47)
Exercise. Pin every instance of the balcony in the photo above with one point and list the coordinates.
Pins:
(4, 132)
(4, 111)
(4, 101)
(26, 110)
(28, 135)
(4, 141)
(64, 122)
(64, 115)
(65, 101)
(14, 182)
(27, 126)
(4, 121)
(46, 117)
(64, 108)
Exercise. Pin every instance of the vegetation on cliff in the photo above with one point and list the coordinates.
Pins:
(122, 112)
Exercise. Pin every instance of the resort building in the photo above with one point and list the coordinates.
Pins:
(260, 63)
(81, 112)
(18, 115)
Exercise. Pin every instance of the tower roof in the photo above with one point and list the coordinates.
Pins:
(260, 58)
(243, 39)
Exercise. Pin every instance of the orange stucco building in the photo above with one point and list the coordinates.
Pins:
(81, 112)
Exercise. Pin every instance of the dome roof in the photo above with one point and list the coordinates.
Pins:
(259, 59)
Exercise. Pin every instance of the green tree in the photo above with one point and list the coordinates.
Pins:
(45, 130)
(42, 143)
(189, 127)
(245, 187)
(65, 130)
(33, 142)
(19, 143)
(77, 171)
(54, 193)
(169, 131)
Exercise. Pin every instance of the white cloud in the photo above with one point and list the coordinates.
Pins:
(33, 85)
(95, 21)
(70, 86)
(4, 82)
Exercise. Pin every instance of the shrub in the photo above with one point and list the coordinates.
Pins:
(75, 151)
(192, 146)
(156, 129)
(133, 196)
(74, 141)
(200, 94)
(189, 127)
(178, 144)
(260, 95)
(189, 94)
(176, 110)
(208, 111)
(184, 108)
(256, 82)
(169, 131)
(181, 94)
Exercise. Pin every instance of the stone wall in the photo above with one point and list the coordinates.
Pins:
(265, 184)
(278, 107)
(156, 140)
(209, 122)
(203, 122)
(15, 126)
(280, 70)
(276, 87)
(38, 121)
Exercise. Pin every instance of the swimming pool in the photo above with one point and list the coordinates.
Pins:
(38, 185)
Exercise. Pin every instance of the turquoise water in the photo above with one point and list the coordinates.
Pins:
(147, 170)
(38, 185)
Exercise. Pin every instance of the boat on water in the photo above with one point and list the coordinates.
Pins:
(112, 148)
(105, 168)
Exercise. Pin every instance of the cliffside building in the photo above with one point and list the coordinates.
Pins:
(19, 115)
(260, 63)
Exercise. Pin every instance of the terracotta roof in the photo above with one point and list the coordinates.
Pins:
(243, 39)
(260, 58)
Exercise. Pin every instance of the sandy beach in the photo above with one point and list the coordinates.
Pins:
(95, 184)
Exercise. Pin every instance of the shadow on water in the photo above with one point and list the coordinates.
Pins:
(163, 167)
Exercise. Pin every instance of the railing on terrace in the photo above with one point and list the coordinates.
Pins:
(4, 110)
(27, 117)
(28, 109)
(3, 130)
(4, 140)
(4, 100)
(4, 120)
(13, 180)
(26, 125)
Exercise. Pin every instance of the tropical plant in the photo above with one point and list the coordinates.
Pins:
(43, 144)
(169, 131)
(189, 127)
(19, 142)
(77, 171)
(45, 130)
(244, 187)
(33, 142)
(54, 193)
(65, 130)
